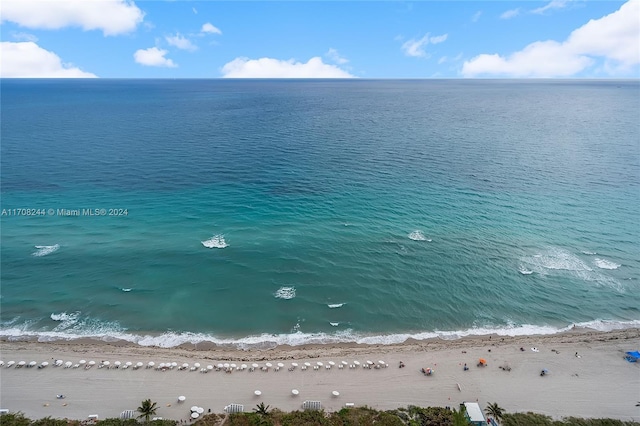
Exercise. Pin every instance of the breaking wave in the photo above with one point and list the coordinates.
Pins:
(45, 250)
(336, 305)
(217, 241)
(417, 235)
(285, 293)
(606, 264)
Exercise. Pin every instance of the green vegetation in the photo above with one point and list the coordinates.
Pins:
(147, 409)
(495, 411)
(358, 416)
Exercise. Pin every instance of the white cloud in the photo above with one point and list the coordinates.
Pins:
(615, 38)
(28, 60)
(416, 48)
(153, 57)
(181, 42)
(553, 4)
(476, 16)
(510, 14)
(334, 56)
(111, 16)
(19, 36)
(275, 68)
(210, 29)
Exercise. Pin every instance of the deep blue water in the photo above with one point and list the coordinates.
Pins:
(247, 208)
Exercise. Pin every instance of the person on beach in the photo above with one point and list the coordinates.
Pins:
(465, 368)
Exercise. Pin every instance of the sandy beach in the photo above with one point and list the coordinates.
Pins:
(596, 383)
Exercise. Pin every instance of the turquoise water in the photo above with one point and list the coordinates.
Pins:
(262, 212)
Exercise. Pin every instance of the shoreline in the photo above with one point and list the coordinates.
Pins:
(598, 383)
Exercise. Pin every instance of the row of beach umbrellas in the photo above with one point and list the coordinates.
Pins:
(185, 366)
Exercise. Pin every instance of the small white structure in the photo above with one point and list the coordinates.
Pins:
(128, 414)
(312, 405)
(234, 408)
(474, 413)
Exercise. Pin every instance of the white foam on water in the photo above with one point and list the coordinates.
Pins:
(112, 332)
(126, 289)
(588, 253)
(45, 250)
(524, 271)
(217, 241)
(417, 235)
(285, 293)
(63, 316)
(605, 264)
(336, 305)
(334, 324)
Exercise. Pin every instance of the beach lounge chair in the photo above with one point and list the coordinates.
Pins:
(312, 405)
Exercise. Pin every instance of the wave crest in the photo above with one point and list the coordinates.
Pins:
(217, 241)
(606, 264)
(45, 250)
(285, 293)
(417, 235)
(336, 305)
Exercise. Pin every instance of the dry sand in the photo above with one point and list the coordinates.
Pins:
(599, 383)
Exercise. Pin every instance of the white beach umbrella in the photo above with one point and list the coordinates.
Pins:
(200, 410)
(139, 364)
(162, 365)
(369, 362)
(92, 363)
(128, 364)
(280, 365)
(294, 364)
(232, 365)
(1, 363)
(196, 365)
(209, 367)
(381, 362)
(335, 393)
(345, 363)
(320, 363)
(58, 362)
(117, 364)
(269, 365)
(356, 362)
(226, 365)
(23, 363)
(174, 364)
(195, 415)
(69, 363)
(243, 366)
(220, 365)
(44, 364)
(10, 363)
(308, 364)
(254, 365)
(332, 363)
(185, 365)
(257, 393)
(151, 364)
(82, 362)
(33, 364)
(182, 398)
(295, 392)
(107, 363)
(194, 408)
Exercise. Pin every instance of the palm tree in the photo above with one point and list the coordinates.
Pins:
(460, 417)
(262, 409)
(495, 411)
(147, 409)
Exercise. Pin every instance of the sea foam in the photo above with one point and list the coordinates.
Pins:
(417, 235)
(606, 264)
(217, 241)
(285, 293)
(45, 250)
(336, 305)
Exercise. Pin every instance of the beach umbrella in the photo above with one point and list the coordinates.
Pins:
(1, 363)
(195, 415)
(254, 365)
(381, 362)
(280, 365)
(196, 365)
(117, 364)
(345, 363)
(331, 363)
(268, 364)
(356, 362)
(233, 366)
(82, 362)
(294, 392)
(320, 363)
(23, 363)
(226, 365)
(174, 364)
(220, 365)
(129, 364)
(200, 410)
(182, 398)
(58, 362)
(194, 408)
(294, 364)
(139, 364)
(162, 365)
(69, 363)
(10, 363)
(209, 367)
(92, 363)
(185, 365)
(44, 364)
(243, 366)
(33, 364)
(483, 361)
(151, 364)
(257, 393)
(335, 393)
(369, 362)
(308, 364)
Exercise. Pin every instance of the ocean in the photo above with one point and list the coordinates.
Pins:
(253, 213)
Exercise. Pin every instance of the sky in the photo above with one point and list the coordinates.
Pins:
(319, 39)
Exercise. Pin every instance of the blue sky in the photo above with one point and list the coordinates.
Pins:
(365, 39)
